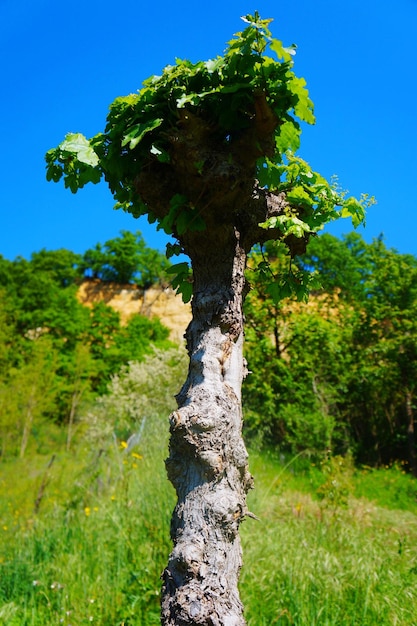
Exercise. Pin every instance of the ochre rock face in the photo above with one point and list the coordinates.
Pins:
(130, 299)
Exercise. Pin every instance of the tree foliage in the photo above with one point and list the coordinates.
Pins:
(338, 373)
(341, 370)
(55, 353)
(126, 259)
(250, 105)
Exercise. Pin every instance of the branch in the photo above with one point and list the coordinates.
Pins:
(262, 205)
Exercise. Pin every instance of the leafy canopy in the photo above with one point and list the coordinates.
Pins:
(341, 373)
(125, 259)
(226, 94)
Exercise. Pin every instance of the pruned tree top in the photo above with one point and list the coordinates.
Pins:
(209, 135)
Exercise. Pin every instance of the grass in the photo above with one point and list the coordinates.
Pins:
(94, 552)
(311, 562)
(333, 545)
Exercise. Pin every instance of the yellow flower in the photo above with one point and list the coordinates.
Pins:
(137, 456)
(5, 528)
(134, 465)
(123, 444)
(95, 508)
(87, 510)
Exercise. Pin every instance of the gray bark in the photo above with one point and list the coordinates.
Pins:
(207, 463)
(208, 460)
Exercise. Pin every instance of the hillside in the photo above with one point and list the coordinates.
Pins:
(337, 373)
(129, 299)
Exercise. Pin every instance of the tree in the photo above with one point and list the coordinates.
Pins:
(126, 259)
(55, 353)
(376, 290)
(299, 363)
(27, 393)
(78, 381)
(338, 374)
(206, 151)
(63, 266)
(387, 333)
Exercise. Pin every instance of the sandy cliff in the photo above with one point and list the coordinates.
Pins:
(130, 299)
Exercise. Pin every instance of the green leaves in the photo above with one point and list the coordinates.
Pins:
(182, 280)
(356, 209)
(247, 101)
(283, 53)
(288, 225)
(80, 148)
(181, 217)
(304, 106)
(161, 155)
(294, 284)
(312, 200)
(288, 137)
(137, 132)
(74, 159)
(221, 91)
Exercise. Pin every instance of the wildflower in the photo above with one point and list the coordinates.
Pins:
(123, 445)
(87, 510)
(56, 585)
(136, 456)
(95, 508)
(5, 527)
(134, 465)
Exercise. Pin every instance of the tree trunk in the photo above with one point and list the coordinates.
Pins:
(207, 463)
(27, 425)
(412, 457)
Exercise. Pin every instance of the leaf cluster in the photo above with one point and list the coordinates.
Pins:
(221, 91)
(247, 104)
(125, 259)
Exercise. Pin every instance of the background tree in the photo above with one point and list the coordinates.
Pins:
(342, 369)
(55, 353)
(298, 361)
(126, 259)
(27, 393)
(387, 338)
(63, 266)
(205, 150)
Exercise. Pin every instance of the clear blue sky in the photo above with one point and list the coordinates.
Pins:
(63, 63)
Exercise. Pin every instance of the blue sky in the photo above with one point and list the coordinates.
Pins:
(63, 63)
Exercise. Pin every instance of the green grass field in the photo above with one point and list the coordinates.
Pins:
(85, 540)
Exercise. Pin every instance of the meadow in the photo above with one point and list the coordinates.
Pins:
(84, 536)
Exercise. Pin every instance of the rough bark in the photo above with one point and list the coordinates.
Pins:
(208, 460)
